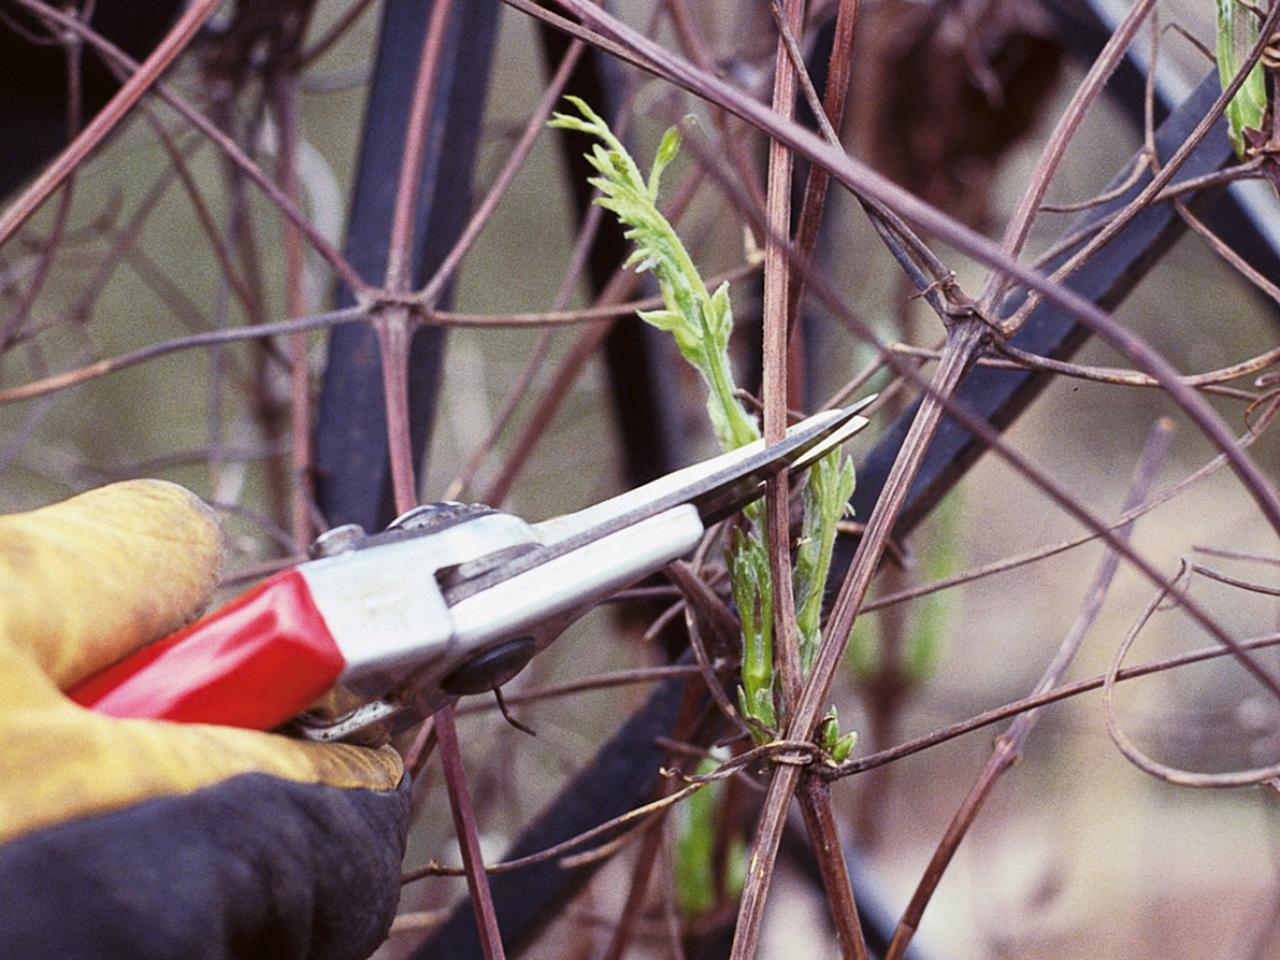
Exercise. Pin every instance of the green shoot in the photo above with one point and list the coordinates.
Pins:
(838, 748)
(826, 498)
(697, 825)
(1237, 35)
(699, 321)
(753, 593)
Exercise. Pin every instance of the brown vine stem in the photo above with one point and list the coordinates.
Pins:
(620, 286)
(73, 50)
(691, 42)
(1009, 745)
(100, 368)
(780, 318)
(1134, 378)
(777, 269)
(1237, 262)
(218, 243)
(113, 54)
(839, 71)
(415, 144)
(689, 719)
(1040, 553)
(582, 246)
(1130, 750)
(823, 828)
(1015, 359)
(144, 76)
(586, 684)
(788, 750)
(394, 327)
(464, 824)
(285, 96)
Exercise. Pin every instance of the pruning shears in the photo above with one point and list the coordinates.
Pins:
(452, 599)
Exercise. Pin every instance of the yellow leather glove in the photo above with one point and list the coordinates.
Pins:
(143, 838)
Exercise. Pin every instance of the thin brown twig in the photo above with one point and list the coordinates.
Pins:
(839, 73)
(696, 593)
(285, 97)
(400, 243)
(1009, 745)
(60, 381)
(791, 752)
(1135, 378)
(1012, 709)
(823, 828)
(1237, 582)
(1222, 249)
(1013, 358)
(434, 287)
(1119, 190)
(45, 256)
(335, 33)
(691, 42)
(1237, 555)
(144, 77)
(339, 264)
(590, 684)
(641, 871)
(468, 835)
(1040, 553)
(394, 328)
(1100, 70)
(1130, 750)
(583, 243)
(620, 286)
(777, 270)
(559, 849)
(181, 168)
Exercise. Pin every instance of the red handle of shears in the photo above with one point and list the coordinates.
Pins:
(256, 662)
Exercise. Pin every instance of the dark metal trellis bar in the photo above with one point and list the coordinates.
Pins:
(353, 482)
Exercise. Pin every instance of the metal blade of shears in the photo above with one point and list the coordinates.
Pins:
(717, 488)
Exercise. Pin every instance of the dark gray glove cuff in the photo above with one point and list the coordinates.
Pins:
(252, 867)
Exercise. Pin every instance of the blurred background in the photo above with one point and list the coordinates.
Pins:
(1076, 853)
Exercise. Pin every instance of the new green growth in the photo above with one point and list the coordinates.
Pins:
(701, 321)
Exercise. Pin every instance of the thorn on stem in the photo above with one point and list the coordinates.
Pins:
(507, 715)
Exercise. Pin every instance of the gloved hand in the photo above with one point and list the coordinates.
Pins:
(140, 839)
